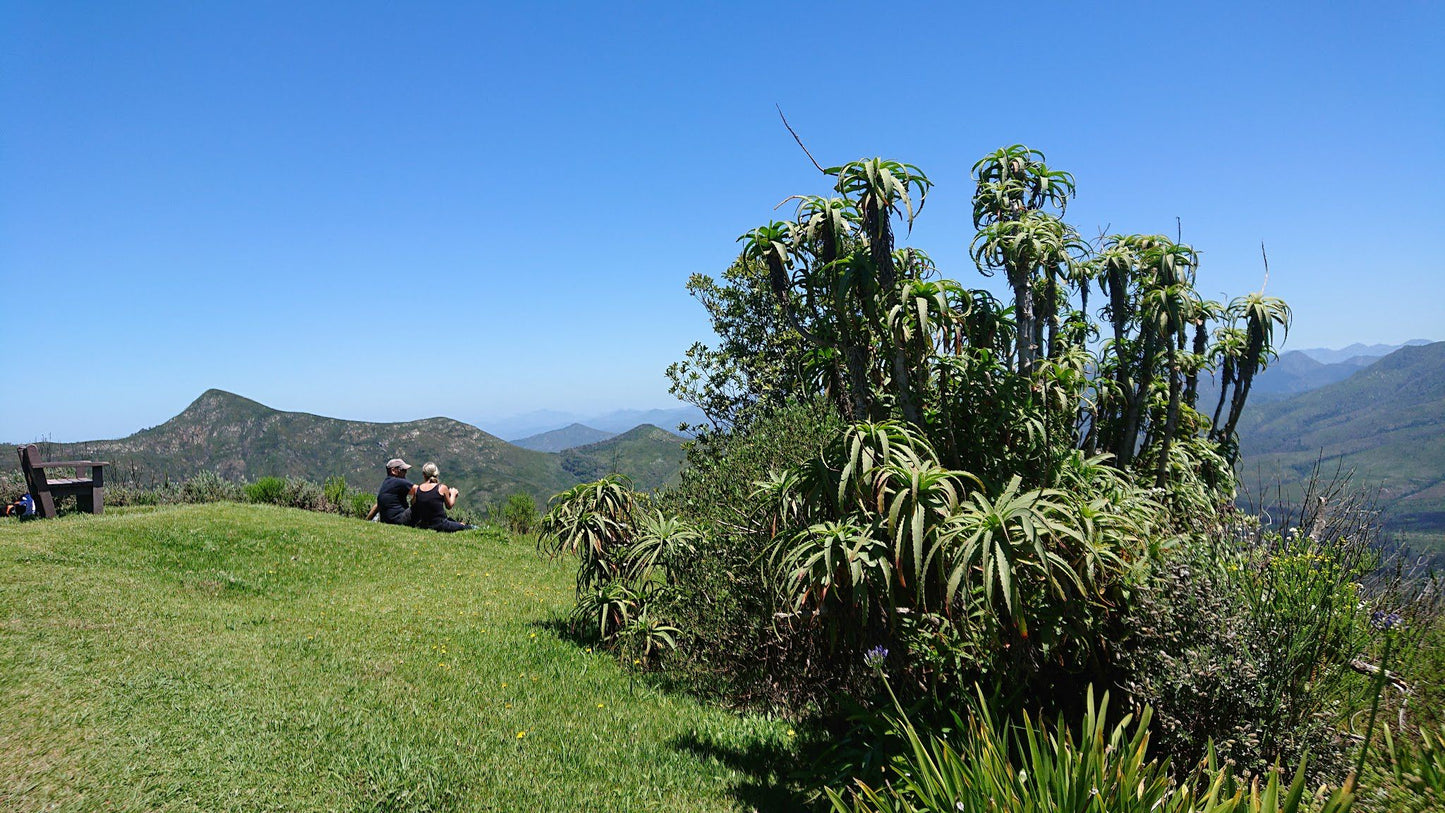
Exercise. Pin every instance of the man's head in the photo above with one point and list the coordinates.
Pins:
(397, 467)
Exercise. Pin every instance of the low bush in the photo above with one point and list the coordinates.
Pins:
(359, 503)
(12, 486)
(269, 490)
(336, 491)
(306, 495)
(520, 513)
(208, 486)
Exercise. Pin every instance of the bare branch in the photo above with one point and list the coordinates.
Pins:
(1264, 284)
(799, 140)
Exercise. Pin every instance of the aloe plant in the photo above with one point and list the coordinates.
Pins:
(985, 766)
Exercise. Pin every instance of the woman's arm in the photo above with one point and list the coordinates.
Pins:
(450, 495)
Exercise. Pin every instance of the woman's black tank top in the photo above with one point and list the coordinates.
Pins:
(428, 507)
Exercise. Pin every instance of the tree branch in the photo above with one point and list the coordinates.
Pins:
(799, 140)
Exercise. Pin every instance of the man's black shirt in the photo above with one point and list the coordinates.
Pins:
(391, 500)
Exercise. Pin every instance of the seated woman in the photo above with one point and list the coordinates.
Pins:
(430, 501)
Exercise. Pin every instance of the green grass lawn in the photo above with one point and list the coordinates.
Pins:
(252, 658)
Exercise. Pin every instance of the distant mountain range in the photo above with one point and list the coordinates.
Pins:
(243, 440)
(1297, 371)
(567, 437)
(1385, 422)
(1357, 351)
(617, 421)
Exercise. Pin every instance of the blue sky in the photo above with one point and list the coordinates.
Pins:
(385, 211)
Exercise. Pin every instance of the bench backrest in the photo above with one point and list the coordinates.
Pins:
(29, 461)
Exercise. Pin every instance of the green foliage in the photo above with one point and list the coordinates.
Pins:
(626, 558)
(759, 360)
(1418, 770)
(12, 486)
(1017, 582)
(358, 503)
(594, 522)
(269, 490)
(335, 491)
(520, 513)
(983, 765)
(304, 494)
(207, 486)
(723, 597)
(1245, 643)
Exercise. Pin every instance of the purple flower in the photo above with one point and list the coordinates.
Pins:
(874, 658)
(1384, 621)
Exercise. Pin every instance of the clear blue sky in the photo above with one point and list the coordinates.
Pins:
(386, 211)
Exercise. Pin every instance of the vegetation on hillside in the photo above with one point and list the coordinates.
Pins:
(1013, 500)
(1385, 425)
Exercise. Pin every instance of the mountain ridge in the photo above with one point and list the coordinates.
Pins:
(1386, 423)
(242, 439)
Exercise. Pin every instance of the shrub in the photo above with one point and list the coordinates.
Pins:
(132, 494)
(304, 494)
(724, 602)
(520, 513)
(335, 490)
(208, 486)
(268, 490)
(360, 503)
(12, 486)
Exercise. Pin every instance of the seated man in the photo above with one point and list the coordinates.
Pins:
(391, 498)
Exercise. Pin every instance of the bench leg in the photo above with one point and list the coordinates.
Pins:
(92, 501)
(44, 504)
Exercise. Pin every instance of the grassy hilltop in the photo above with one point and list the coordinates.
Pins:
(230, 657)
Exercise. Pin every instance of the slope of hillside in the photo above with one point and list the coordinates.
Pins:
(1386, 423)
(652, 457)
(241, 439)
(565, 438)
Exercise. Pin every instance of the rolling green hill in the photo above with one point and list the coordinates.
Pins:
(241, 439)
(652, 457)
(251, 658)
(1386, 423)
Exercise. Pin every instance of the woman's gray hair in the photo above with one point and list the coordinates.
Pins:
(430, 472)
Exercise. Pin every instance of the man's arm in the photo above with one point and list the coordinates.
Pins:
(375, 507)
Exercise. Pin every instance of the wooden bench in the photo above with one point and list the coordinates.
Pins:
(89, 491)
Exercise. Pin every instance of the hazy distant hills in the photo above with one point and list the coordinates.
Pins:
(1386, 422)
(241, 439)
(1357, 351)
(544, 421)
(565, 438)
